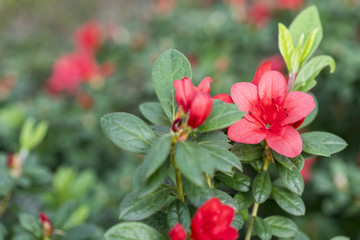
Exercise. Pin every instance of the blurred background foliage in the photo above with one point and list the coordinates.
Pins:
(86, 174)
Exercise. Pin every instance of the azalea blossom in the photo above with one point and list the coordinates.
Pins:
(89, 36)
(272, 113)
(223, 97)
(46, 224)
(195, 101)
(211, 221)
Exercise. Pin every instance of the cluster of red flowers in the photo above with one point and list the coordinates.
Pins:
(212, 221)
(71, 69)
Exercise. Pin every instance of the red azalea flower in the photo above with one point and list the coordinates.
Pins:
(277, 62)
(223, 97)
(178, 232)
(212, 221)
(271, 113)
(290, 4)
(194, 100)
(306, 171)
(89, 36)
(46, 224)
(259, 15)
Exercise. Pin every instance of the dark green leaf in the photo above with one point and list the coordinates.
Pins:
(82, 232)
(31, 224)
(179, 213)
(292, 179)
(215, 139)
(193, 161)
(134, 208)
(243, 200)
(160, 130)
(322, 143)
(158, 221)
(153, 112)
(222, 115)
(224, 160)
(288, 201)
(170, 65)
(197, 195)
(282, 227)
(6, 181)
(262, 229)
(261, 187)
(247, 152)
(133, 231)
(238, 222)
(340, 238)
(239, 181)
(285, 161)
(128, 132)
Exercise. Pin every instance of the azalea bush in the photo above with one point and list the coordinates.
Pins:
(210, 163)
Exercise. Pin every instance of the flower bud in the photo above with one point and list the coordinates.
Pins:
(46, 224)
(178, 232)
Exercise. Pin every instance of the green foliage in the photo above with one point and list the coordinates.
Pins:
(179, 213)
(243, 200)
(215, 139)
(238, 181)
(281, 226)
(32, 135)
(6, 181)
(153, 112)
(288, 201)
(133, 230)
(262, 229)
(247, 152)
(291, 179)
(30, 224)
(261, 187)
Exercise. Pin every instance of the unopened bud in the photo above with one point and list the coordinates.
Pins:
(46, 224)
(13, 163)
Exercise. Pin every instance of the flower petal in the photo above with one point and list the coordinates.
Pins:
(184, 92)
(200, 109)
(204, 85)
(260, 71)
(298, 105)
(244, 95)
(272, 87)
(223, 97)
(178, 232)
(244, 131)
(285, 140)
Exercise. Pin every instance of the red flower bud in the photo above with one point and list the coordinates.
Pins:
(184, 93)
(177, 232)
(200, 109)
(46, 224)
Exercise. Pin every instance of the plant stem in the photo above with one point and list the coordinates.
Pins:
(292, 77)
(251, 224)
(179, 184)
(4, 203)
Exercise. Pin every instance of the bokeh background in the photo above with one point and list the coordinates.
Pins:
(82, 175)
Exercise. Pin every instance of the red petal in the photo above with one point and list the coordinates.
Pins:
(223, 97)
(285, 140)
(298, 123)
(184, 92)
(298, 105)
(260, 71)
(204, 85)
(178, 232)
(200, 109)
(272, 86)
(244, 131)
(244, 95)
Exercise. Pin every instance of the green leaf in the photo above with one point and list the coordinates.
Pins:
(133, 231)
(261, 187)
(247, 152)
(215, 139)
(340, 238)
(193, 161)
(82, 232)
(286, 44)
(134, 208)
(179, 213)
(301, 236)
(224, 198)
(6, 181)
(239, 181)
(197, 195)
(238, 222)
(305, 24)
(285, 161)
(31, 224)
(158, 221)
(308, 45)
(292, 179)
(222, 115)
(311, 117)
(32, 135)
(322, 143)
(243, 200)
(281, 226)
(288, 201)
(170, 65)
(78, 216)
(153, 112)
(128, 132)
(262, 229)
(223, 159)
(295, 61)
(310, 70)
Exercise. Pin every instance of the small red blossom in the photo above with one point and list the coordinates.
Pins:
(271, 113)
(277, 62)
(178, 232)
(46, 224)
(290, 4)
(89, 36)
(194, 100)
(259, 15)
(213, 221)
(306, 171)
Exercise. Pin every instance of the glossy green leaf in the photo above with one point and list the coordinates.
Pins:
(179, 213)
(239, 181)
(222, 115)
(193, 161)
(286, 44)
(305, 24)
(285, 161)
(153, 112)
(132, 231)
(261, 187)
(262, 229)
(247, 152)
(170, 65)
(310, 70)
(214, 139)
(224, 160)
(288, 201)
(243, 200)
(158, 221)
(134, 208)
(128, 132)
(292, 179)
(238, 222)
(31, 224)
(197, 195)
(282, 227)
(322, 143)
(307, 47)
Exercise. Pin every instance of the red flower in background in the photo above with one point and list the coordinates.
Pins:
(212, 221)
(306, 171)
(194, 100)
(89, 36)
(277, 62)
(290, 4)
(271, 112)
(258, 15)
